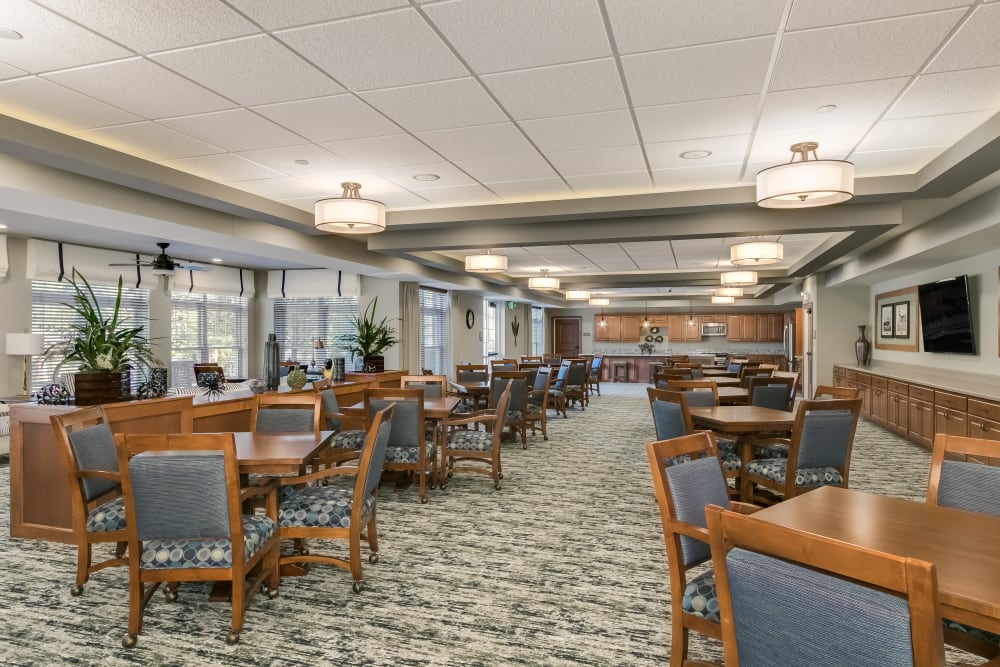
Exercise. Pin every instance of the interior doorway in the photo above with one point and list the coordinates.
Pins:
(566, 336)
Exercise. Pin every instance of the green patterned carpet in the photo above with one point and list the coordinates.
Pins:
(564, 566)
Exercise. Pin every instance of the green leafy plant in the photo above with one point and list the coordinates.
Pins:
(103, 342)
(370, 338)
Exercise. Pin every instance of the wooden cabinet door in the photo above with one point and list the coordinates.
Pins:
(734, 327)
(866, 400)
(774, 327)
(898, 416)
(952, 422)
(749, 327)
(600, 330)
(614, 326)
(675, 326)
(630, 327)
(920, 424)
(879, 405)
(692, 328)
(987, 429)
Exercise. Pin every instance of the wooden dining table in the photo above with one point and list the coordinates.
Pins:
(434, 408)
(733, 395)
(476, 390)
(713, 373)
(964, 546)
(724, 381)
(278, 453)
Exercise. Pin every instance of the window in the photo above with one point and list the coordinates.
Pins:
(537, 331)
(302, 321)
(491, 339)
(207, 328)
(51, 318)
(434, 310)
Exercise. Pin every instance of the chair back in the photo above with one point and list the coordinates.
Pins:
(749, 372)
(662, 379)
(209, 368)
(560, 381)
(873, 608)
(286, 367)
(699, 393)
(543, 376)
(968, 483)
(518, 395)
(433, 386)
(472, 373)
(503, 365)
(695, 368)
(824, 392)
(372, 459)
(86, 444)
(794, 377)
(287, 412)
(329, 407)
(674, 419)
(531, 359)
(408, 422)
(503, 406)
(576, 376)
(595, 365)
(823, 434)
(551, 360)
(773, 392)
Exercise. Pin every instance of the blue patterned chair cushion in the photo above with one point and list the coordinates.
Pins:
(463, 409)
(534, 409)
(479, 441)
(514, 416)
(775, 450)
(322, 507)
(774, 470)
(574, 387)
(349, 439)
(555, 392)
(107, 516)
(730, 461)
(206, 553)
(725, 444)
(700, 597)
(971, 631)
(408, 454)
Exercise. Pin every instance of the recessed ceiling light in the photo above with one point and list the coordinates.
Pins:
(695, 155)
(301, 161)
(827, 108)
(7, 33)
(426, 177)
(217, 260)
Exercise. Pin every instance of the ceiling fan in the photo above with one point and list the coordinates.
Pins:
(164, 265)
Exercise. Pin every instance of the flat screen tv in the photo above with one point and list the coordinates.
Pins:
(946, 316)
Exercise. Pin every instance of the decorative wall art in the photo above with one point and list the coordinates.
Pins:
(896, 322)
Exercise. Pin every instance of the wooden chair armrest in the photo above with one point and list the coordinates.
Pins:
(472, 418)
(313, 476)
(102, 474)
(269, 485)
(347, 422)
(743, 508)
(691, 530)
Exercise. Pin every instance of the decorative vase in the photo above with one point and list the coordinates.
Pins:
(338, 369)
(373, 363)
(98, 388)
(272, 371)
(862, 347)
(296, 380)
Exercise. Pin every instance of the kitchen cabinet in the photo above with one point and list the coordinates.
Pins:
(610, 330)
(950, 414)
(631, 328)
(734, 328)
(770, 327)
(684, 327)
(879, 402)
(897, 416)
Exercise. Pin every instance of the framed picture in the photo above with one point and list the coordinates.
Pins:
(901, 320)
(886, 317)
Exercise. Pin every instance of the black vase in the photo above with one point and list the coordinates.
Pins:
(272, 371)
(862, 347)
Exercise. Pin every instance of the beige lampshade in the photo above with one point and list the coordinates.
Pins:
(577, 295)
(806, 183)
(349, 213)
(543, 281)
(739, 278)
(486, 263)
(728, 291)
(24, 344)
(756, 253)
(723, 299)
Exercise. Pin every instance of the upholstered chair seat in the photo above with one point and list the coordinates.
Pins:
(468, 440)
(206, 553)
(776, 469)
(700, 597)
(353, 439)
(408, 454)
(322, 507)
(107, 516)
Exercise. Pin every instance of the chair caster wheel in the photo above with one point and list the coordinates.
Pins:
(500, 475)
(423, 501)
(129, 641)
(76, 591)
(497, 486)
(170, 595)
(373, 558)
(272, 593)
(357, 586)
(304, 551)
(233, 638)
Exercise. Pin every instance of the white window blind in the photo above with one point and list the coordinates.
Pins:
(491, 341)
(537, 331)
(207, 328)
(435, 307)
(51, 318)
(300, 322)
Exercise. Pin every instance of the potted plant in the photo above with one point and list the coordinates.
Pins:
(370, 339)
(106, 349)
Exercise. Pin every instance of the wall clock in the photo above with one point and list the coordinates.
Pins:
(470, 318)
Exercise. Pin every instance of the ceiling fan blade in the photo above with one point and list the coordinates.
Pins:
(192, 267)
(131, 264)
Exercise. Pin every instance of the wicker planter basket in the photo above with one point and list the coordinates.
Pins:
(98, 388)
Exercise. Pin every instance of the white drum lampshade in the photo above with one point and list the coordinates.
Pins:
(807, 183)
(349, 213)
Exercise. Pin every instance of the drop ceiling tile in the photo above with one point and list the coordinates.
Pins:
(459, 194)
(975, 44)
(156, 25)
(497, 170)
(696, 178)
(480, 142)
(403, 199)
(372, 185)
(818, 13)
(601, 185)
(50, 41)
(141, 87)
(333, 118)
(283, 187)
(283, 160)
(721, 70)
(598, 161)
(860, 52)
(235, 130)
(693, 120)
(864, 101)
(950, 92)
(450, 176)
(148, 140)
(8, 72)
(44, 103)
(640, 25)
(521, 33)
(223, 168)
(545, 188)
(884, 163)
(835, 142)
(560, 90)
(572, 133)
(408, 50)
(725, 150)
(437, 106)
(926, 131)
(252, 70)
(376, 152)
(275, 14)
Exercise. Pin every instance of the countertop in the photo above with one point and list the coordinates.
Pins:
(977, 385)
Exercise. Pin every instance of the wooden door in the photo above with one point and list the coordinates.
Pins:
(566, 336)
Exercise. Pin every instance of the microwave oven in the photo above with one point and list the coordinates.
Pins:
(713, 328)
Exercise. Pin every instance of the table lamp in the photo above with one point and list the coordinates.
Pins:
(25, 345)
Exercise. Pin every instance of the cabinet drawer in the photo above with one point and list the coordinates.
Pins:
(953, 401)
(850, 374)
(879, 383)
(897, 387)
(864, 378)
(923, 393)
(984, 409)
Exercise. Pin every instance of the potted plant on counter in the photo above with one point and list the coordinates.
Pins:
(370, 339)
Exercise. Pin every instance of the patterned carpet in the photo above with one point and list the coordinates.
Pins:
(564, 566)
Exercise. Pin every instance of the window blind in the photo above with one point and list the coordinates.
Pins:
(537, 331)
(300, 322)
(435, 308)
(207, 328)
(51, 318)
(491, 342)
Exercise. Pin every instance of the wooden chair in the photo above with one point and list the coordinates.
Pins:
(97, 509)
(351, 430)
(503, 364)
(557, 389)
(695, 368)
(276, 412)
(749, 371)
(517, 406)
(827, 392)
(433, 386)
(527, 358)
(576, 384)
(465, 449)
(344, 509)
(538, 401)
(662, 379)
(856, 606)
(699, 393)
(773, 392)
(209, 368)
(819, 453)
(963, 475)
(794, 377)
(408, 449)
(551, 360)
(594, 379)
(686, 479)
(286, 367)
(186, 523)
(470, 373)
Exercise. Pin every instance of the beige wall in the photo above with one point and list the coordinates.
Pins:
(15, 303)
